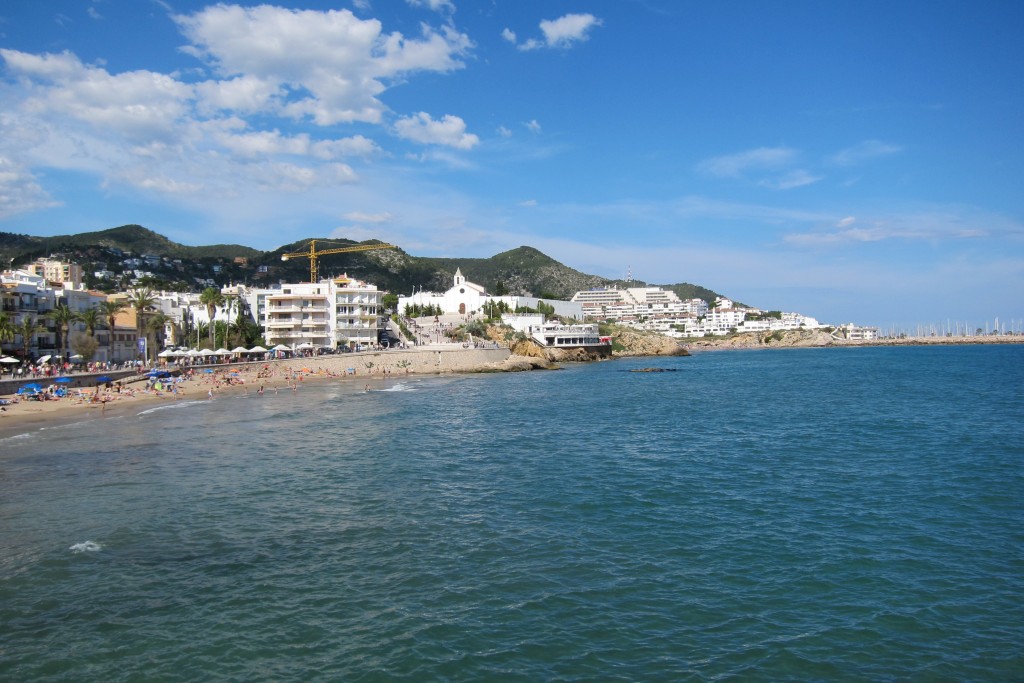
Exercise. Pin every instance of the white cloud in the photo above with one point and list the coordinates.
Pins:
(533, 126)
(332, 64)
(136, 104)
(934, 224)
(244, 94)
(19, 191)
(375, 218)
(449, 130)
(790, 180)
(559, 33)
(736, 165)
(864, 151)
(435, 5)
(770, 167)
(504, 132)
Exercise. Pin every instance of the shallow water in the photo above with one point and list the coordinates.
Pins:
(803, 514)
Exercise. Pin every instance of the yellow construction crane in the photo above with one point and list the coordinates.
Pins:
(313, 254)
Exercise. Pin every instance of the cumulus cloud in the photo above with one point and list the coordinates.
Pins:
(136, 103)
(213, 138)
(332, 66)
(533, 126)
(563, 32)
(449, 131)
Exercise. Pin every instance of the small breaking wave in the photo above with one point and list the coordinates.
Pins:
(86, 547)
(398, 387)
(171, 406)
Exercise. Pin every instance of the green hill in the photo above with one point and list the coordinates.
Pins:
(522, 271)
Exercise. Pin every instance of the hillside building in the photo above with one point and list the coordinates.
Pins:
(468, 299)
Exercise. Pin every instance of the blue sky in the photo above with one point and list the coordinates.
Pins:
(854, 161)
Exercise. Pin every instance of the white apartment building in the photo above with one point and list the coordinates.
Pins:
(610, 303)
(325, 315)
(27, 295)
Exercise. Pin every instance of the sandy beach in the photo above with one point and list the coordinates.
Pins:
(237, 378)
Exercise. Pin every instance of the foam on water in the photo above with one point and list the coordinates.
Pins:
(86, 547)
(401, 386)
(171, 406)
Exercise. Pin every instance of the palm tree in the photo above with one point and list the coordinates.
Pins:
(231, 301)
(109, 310)
(142, 300)
(157, 325)
(28, 328)
(211, 298)
(7, 330)
(63, 317)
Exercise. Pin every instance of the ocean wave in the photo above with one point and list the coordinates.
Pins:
(171, 406)
(398, 387)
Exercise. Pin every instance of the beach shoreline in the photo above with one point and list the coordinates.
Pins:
(247, 378)
(368, 368)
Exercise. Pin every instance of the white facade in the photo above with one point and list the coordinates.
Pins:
(468, 299)
(327, 314)
(608, 303)
(554, 334)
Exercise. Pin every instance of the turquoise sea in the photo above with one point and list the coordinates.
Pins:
(818, 514)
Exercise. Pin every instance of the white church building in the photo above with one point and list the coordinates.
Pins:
(468, 298)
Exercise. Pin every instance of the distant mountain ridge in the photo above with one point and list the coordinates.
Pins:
(522, 271)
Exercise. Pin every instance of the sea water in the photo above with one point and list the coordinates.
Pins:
(820, 514)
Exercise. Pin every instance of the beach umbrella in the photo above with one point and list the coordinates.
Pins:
(167, 353)
(257, 349)
(239, 349)
(31, 387)
(8, 359)
(222, 351)
(45, 358)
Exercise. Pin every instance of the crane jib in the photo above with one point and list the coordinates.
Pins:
(313, 254)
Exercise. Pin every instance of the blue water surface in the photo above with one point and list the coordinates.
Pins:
(806, 514)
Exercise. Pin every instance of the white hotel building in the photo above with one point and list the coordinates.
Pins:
(328, 314)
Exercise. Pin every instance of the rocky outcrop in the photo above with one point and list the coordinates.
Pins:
(630, 343)
(760, 340)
